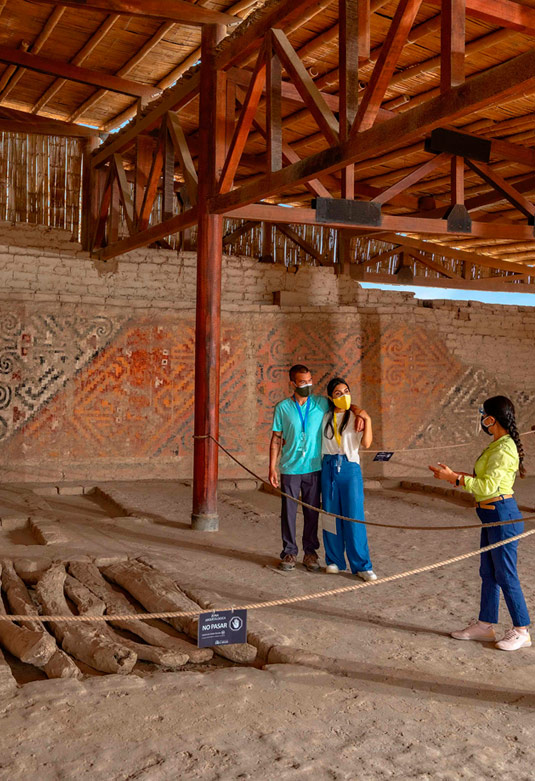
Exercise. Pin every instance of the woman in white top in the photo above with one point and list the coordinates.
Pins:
(341, 483)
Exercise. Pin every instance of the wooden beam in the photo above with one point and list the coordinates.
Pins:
(457, 180)
(78, 59)
(452, 44)
(516, 76)
(142, 239)
(184, 156)
(153, 181)
(394, 42)
(418, 256)
(310, 94)
(456, 254)
(174, 100)
(14, 121)
(244, 123)
(143, 158)
(74, 73)
(305, 245)
(178, 11)
(388, 223)
(421, 281)
(502, 13)
(245, 227)
(503, 187)
(273, 108)
(412, 178)
(124, 194)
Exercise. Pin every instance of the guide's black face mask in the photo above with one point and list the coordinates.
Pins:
(304, 390)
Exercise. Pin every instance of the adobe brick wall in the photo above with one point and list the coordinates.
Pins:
(96, 369)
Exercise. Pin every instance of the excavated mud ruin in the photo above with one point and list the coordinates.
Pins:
(115, 587)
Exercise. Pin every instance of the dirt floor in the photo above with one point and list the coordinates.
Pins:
(389, 695)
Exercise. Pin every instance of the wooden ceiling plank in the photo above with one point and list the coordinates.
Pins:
(76, 73)
(312, 97)
(97, 37)
(407, 181)
(127, 68)
(394, 42)
(42, 38)
(178, 11)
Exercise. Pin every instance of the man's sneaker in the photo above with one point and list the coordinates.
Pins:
(332, 569)
(310, 561)
(368, 574)
(514, 639)
(288, 562)
(477, 630)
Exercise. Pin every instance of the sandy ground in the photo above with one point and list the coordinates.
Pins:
(395, 698)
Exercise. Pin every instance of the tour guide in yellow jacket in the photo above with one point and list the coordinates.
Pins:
(492, 486)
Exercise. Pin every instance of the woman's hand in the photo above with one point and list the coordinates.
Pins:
(361, 416)
(443, 472)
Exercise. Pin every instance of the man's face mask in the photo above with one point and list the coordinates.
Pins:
(343, 402)
(303, 390)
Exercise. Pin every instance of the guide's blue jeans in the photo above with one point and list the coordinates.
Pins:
(498, 567)
(342, 493)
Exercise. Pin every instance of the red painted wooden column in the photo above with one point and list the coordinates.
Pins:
(212, 124)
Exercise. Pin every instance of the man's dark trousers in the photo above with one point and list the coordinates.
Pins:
(308, 486)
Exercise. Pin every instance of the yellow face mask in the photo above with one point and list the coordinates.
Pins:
(342, 402)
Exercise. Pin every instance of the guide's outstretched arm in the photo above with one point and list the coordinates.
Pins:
(274, 452)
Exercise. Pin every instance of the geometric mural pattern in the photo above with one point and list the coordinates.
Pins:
(88, 390)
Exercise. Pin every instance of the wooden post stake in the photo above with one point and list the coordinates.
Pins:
(212, 149)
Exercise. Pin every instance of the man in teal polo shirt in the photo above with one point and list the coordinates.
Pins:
(296, 431)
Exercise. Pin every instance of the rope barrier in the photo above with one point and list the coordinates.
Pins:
(273, 602)
(355, 520)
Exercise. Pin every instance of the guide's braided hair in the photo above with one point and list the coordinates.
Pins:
(503, 410)
(329, 427)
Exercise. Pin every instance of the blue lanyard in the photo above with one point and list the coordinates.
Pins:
(303, 419)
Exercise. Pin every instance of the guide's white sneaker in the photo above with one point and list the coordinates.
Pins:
(368, 574)
(514, 639)
(477, 630)
(332, 569)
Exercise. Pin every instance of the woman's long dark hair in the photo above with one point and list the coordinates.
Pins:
(503, 410)
(329, 427)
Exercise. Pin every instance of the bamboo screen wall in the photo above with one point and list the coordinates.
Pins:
(41, 180)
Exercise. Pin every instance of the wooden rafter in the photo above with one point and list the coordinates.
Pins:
(124, 193)
(126, 69)
(175, 10)
(506, 190)
(512, 77)
(438, 267)
(51, 24)
(75, 73)
(234, 235)
(412, 178)
(396, 38)
(305, 245)
(152, 182)
(78, 59)
(245, 121)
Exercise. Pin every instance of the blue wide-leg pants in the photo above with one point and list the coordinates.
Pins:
(343, 493)
(498, 567)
